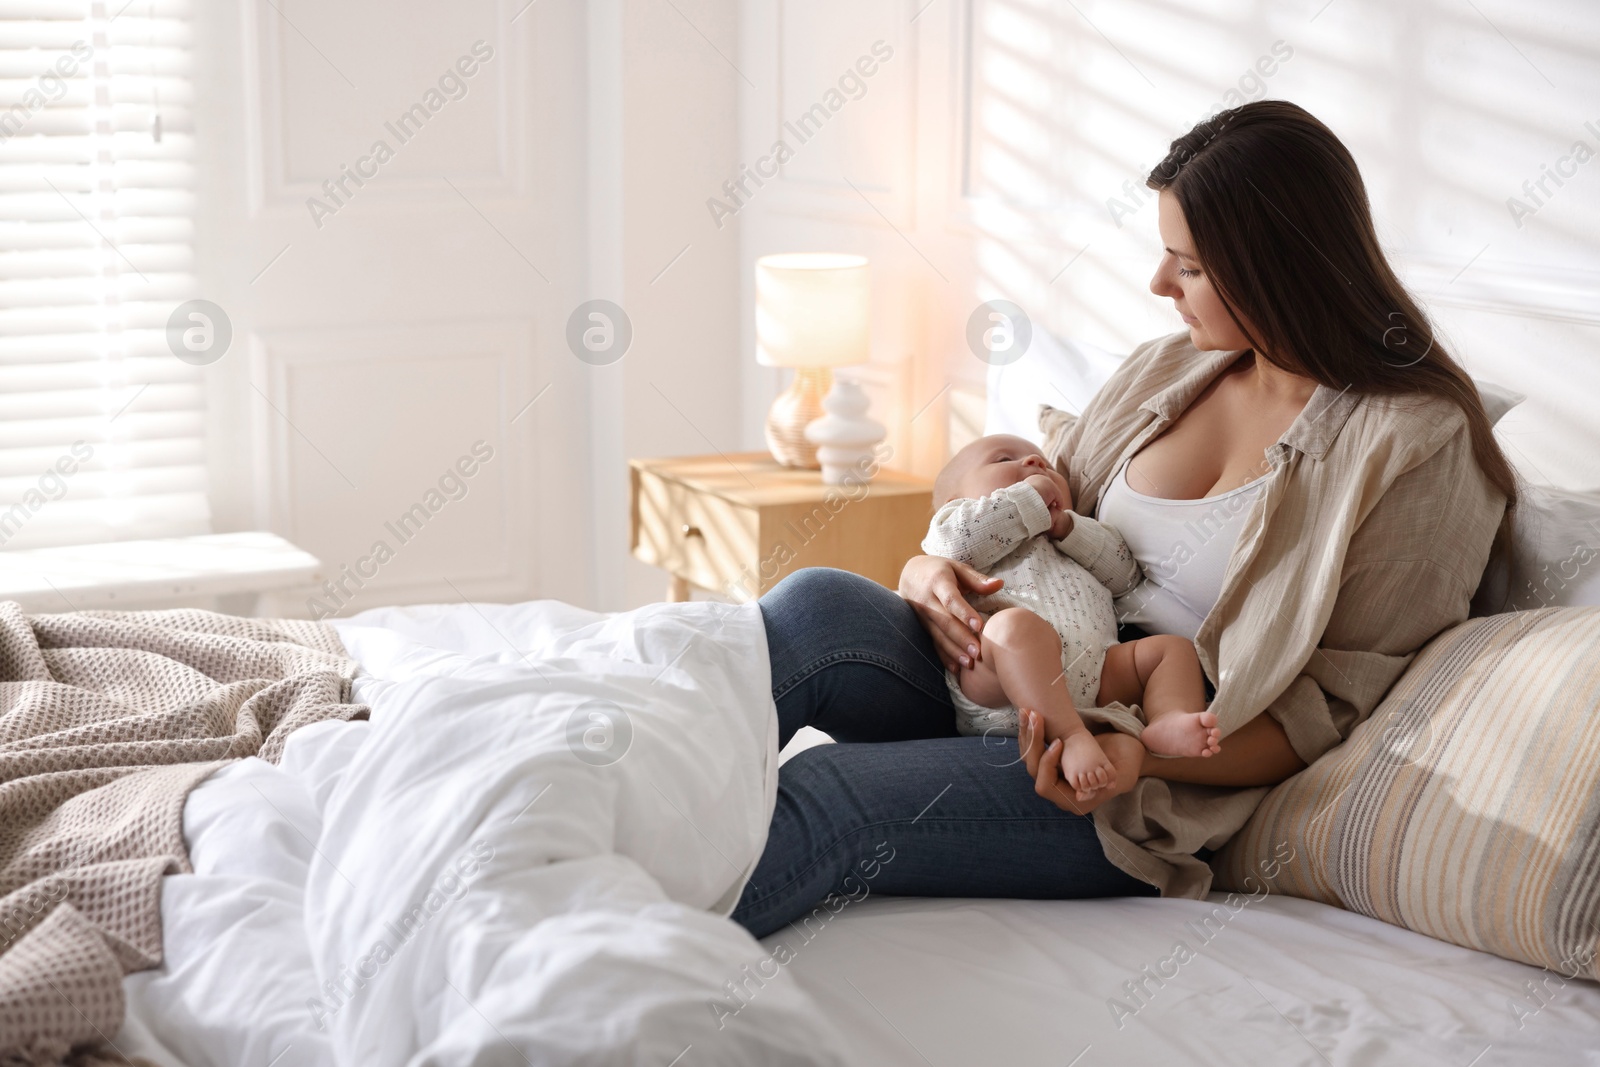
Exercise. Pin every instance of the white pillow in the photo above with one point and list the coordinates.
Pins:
(1497, 399)
(1556, 554)
(1067, 375)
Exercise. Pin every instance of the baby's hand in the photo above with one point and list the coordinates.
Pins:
(1048, 489)
(1059, 503)
(1060, 524)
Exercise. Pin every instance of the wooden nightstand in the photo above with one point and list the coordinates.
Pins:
(737, 524)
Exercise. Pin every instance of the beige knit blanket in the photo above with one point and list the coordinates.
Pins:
(107, 720)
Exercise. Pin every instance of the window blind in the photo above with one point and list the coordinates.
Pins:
(101, 426)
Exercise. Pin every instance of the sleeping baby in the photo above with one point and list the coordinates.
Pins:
(1050, 640)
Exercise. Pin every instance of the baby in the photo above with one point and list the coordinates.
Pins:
(1050, 640)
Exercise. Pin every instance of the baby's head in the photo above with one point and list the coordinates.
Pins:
(992, 463)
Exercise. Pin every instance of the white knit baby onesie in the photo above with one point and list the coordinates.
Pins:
(1006, 535)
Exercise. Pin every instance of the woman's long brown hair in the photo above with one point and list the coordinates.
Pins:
(1282, 226)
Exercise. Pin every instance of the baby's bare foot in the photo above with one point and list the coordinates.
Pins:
(1184, 733)
(1084, 764)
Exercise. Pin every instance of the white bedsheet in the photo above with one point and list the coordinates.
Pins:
(516, 957)
(1270, 983)
(484, 872)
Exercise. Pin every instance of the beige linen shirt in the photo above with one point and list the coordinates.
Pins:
(1370, 535)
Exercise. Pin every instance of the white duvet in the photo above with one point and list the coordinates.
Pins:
(538, 907)
(524, 857)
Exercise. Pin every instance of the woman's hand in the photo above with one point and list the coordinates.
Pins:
(1256, 754)
(1044, 764)
(933, 585)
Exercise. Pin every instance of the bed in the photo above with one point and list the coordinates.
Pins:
(1266, 980)
(545, 909)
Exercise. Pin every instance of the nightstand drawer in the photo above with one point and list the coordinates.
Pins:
(703, 538)
(736, 524)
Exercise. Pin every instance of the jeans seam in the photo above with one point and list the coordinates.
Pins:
(877, 659)
(822, 855)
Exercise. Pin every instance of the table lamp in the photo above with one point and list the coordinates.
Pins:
(812, 315)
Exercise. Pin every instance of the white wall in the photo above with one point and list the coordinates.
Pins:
(991, 146)
(682, 380)
(425, 314)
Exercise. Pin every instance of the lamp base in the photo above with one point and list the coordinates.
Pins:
(791, 412)
(846, 440)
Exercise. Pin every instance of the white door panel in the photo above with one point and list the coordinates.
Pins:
(387, 207)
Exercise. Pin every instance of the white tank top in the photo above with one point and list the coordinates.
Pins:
(1183, 546)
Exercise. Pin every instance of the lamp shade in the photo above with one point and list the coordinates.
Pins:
(811, 310)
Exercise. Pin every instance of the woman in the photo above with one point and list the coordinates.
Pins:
(1308, 380)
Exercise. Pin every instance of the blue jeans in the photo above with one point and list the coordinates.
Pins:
(903, 805)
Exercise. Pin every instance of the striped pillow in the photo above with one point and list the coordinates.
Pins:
(1467, 807)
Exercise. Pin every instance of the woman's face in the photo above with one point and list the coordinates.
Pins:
(1180, 276)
